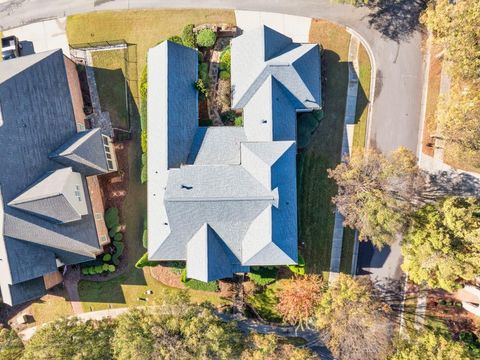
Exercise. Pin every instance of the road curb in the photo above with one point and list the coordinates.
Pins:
(373, 78)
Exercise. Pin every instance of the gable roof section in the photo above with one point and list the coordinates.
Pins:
(54, 197)
(208, 257)
(9, 69)
(296, 66)
(84, 152)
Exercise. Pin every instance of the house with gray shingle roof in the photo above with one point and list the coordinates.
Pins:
(229, 199)
(46, 215)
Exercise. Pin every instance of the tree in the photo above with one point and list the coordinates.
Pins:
(376, 193)
(175, 329)
(268, 347)
(354, 320)
(70, 338)
(428, 345)
(299, 298)
(442, 247)
(11, 347)
(455, 27)
(206, 38)
(459, 122)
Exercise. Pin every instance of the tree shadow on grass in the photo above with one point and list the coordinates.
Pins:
(396, 19)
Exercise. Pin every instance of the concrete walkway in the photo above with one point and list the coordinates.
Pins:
(296, 27)
(70, 281)
(347, 141)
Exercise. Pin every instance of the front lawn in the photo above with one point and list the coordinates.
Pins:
(316, 211)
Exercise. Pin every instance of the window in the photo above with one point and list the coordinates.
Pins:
(110, 164)
(109, 157)
(77, 193)
(105, 140)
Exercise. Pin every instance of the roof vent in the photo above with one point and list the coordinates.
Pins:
(186, 187)
(264, 121)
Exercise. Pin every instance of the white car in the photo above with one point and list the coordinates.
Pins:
(10, 47)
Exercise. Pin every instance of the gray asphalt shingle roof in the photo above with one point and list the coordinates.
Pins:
(235, 204)
(38, 118)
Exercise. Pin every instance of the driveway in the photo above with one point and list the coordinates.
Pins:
(41, 36)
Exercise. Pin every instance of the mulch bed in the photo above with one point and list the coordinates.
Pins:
(166, 276)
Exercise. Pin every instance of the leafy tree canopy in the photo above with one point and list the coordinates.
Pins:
(354, 319)
(268, 347)
(376, 193)
(71, 339)
(428, 345)
(299, 298)
(206, 38)
(443, 244)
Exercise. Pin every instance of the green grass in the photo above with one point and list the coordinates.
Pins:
(265, 301)
(323, 152)
(364, 76)
(109, 68)
(145, 28)
(126, 289)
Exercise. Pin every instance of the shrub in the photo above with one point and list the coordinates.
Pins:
(98, 269)
(201, 87)
(144, 84)
(143, 140)
(224, 75)
(111, 218)
(118, 252)
(197, 284)
(114, 230)
(238, 121)
(111, 268)
(264, 275)
(225, 60)
(85, 271)
(143, 261)
(107, 257)
(91, 270)
(104, 267)
(206, 38)
(300, 268)
(188, 37)
(118, 236)
(145, 234)
(203, 72)
(228, 116)
(176, 39)
(206, 122)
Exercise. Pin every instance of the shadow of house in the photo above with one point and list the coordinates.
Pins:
(397, 19)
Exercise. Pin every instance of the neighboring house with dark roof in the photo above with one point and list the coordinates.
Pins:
(46, 215)
(225, 198)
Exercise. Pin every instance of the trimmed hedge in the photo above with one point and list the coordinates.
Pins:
(176, 39)
(206, 38)
(118, 236)
(143, 261)
(145, 234)
(111, 218)
(226, 60)
(193, 284)
(201, 87)
(118, 252)
(107, 257)
(203, 72)
(298, 269)
(114, 230)
(224, 75)
(238, 121)
(263, 275)
(188, 36)
(228, 116)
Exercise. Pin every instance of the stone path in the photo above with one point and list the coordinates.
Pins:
(70, 281)
(347, 141)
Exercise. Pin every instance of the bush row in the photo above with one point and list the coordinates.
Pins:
(99, 269)
(193, 284)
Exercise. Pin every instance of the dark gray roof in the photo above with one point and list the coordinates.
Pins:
(84, 152)
(38, 118)
(23, 292)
